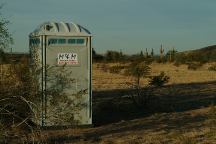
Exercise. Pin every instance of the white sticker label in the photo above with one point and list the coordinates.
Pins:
(68, 58)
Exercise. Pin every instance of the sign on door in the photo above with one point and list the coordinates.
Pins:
(68, 58)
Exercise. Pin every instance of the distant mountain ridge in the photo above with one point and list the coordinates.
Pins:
(207, 49)
(206, 54)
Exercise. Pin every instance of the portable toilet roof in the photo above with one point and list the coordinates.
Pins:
(60, 29)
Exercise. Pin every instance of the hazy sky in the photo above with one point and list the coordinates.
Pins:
(129, 25)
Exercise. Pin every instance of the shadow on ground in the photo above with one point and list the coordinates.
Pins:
(116, 105)
(165, 113)
(152, 124)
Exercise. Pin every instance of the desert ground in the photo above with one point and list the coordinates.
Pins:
(181, 112)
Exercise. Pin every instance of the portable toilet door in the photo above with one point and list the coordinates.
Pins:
(62, 53)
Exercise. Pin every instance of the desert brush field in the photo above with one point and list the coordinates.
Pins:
(103, 80)
(180, 112)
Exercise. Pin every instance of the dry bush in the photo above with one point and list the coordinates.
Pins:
(159, 80)
(18, 93)
(116, 69)
(20, 101)
(177, 64)
(211, 115)
(62, 106)
(104, 67)
(212, 68)
(194, 65)
(184, 139)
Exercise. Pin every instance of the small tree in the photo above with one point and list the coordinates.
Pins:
(5, 36)
(139, 96)
(138, 70)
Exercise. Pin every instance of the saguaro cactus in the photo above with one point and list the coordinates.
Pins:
(146, 53)
(161, 51)
(172, 54)
(152, 53)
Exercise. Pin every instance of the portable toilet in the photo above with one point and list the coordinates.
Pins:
(61, 55)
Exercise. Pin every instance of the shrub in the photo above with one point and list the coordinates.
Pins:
(159, 80)
(139, 96)
(113, 56)
(116, 69)
(194, 66)
(177, 64)
(104, 67)
(212, 116)
(212, 68)
(161, 60)
(184, 139)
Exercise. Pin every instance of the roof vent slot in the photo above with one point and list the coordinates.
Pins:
(57, 26)
(79, 29)
(68, 26)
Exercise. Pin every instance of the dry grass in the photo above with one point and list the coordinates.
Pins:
(178, 75)
(181, 74)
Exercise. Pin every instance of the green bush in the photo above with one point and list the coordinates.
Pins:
(159, 80)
